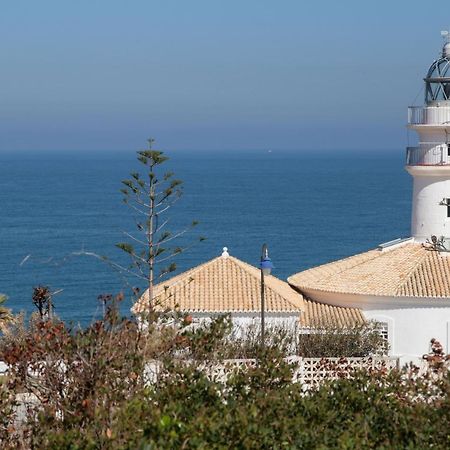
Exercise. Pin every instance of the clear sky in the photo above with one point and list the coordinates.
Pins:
(212, 75)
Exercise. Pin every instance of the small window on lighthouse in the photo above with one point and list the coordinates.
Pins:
(446, 202)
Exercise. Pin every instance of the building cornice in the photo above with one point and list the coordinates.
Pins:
(374, 302)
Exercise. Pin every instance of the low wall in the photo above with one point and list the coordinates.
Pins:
(310, 372)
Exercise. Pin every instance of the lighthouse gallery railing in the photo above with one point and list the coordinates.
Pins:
(428, 115)
(437, 155)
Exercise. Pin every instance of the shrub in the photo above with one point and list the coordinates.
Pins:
(92, 394)
(332, 341)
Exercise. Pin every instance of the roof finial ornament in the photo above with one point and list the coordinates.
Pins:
(225, 253)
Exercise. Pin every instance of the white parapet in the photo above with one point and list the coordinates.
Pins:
(428, 115)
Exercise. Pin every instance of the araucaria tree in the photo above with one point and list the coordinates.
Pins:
(150, 196)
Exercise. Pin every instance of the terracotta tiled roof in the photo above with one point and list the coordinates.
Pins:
(317, 314)
(226, 284)
(407, 270)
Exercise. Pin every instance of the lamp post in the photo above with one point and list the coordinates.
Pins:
(266, 267)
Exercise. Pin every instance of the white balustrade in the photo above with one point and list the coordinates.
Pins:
(428, 115)
(428, 155)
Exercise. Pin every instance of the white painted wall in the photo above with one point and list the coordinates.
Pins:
(411, 329)
(429, 217)
(245, 320)
(412, 321)
(435, 131)
(431, 183)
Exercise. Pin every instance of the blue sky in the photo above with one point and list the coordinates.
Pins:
(212, 75)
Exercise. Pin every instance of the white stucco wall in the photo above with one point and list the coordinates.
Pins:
(412, 321)
(411, 329)
(429, 216)
(431, 183)
(244, 320)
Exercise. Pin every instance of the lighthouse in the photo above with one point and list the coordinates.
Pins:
(404, 284)
(429, 162)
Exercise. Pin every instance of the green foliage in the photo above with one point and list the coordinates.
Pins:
(128, 248)
(150, 196)
(5, 313)
(260, 408)
(92, 393)
(328, 340)
(7, 405)
(226, 342)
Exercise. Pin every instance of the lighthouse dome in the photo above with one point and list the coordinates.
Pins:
(437, 81)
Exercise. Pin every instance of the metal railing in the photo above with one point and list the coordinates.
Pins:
(422, 156)
(428, 115)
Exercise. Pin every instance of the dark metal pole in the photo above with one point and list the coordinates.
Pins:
(264, 250)
(262, 309)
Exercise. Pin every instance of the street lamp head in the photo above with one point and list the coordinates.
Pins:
(265, 265)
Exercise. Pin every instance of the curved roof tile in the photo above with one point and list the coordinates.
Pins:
(227, 284)
(410, 270)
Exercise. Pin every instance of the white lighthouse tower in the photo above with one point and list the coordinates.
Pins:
(429, 162)
(403, 284)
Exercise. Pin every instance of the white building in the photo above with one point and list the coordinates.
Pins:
(405, 283)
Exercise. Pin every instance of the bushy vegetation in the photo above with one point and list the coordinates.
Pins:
(5, 313)
(324, 341)
(90, 390)
(261, 408)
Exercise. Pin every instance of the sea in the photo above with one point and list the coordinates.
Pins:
(62, 212)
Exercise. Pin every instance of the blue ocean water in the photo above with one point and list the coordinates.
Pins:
(309, 208)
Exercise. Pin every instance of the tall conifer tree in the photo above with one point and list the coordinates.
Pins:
(150, 196)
